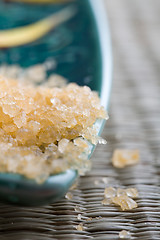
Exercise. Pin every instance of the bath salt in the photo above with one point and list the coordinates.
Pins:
(124, 157)
(46, 130)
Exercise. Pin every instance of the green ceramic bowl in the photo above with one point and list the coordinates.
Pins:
(82, 50)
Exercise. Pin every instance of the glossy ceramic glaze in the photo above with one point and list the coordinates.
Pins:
(81, 50)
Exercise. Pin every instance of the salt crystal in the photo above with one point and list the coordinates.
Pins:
(69, 196)
(56, 80)
(79, 217)
(78, 209)
(106, 201)
(34, 126)
(90, 134)
(96, 182)
(124, 202)
(105, 180)
(124, 234)
(121, 192)
(55, 101)
(23, 135)
(89, 219)
(123, 157)
(62, 145)
(9, 128)
(132, 192)
(37, 73)
(101, 141)
(11, 109)
(98, 218)
(80, 142)
(79, 227)
(109, 192)
(20, 119)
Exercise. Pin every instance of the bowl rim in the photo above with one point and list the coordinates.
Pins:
(101, 22)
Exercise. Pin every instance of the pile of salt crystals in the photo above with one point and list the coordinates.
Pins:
(46, 130)
(35, 74)
(121, 197)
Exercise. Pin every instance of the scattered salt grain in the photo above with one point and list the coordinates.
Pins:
(69, 196)
(98, 218)
(96, 182)
(105, 180)
(78, 209)
(124, 234)
(79, 217)
(123, 157)
(120, 197)
(79, 227)
(89, 219)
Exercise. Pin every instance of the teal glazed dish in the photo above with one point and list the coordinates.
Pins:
(81, 47)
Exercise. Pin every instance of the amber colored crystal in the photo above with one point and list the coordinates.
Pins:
(45, 130)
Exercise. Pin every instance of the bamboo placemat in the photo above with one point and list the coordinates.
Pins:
(134, 123)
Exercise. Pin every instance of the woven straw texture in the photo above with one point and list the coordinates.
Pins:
(134, 123)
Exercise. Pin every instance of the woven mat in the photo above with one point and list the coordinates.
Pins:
(134, 123)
